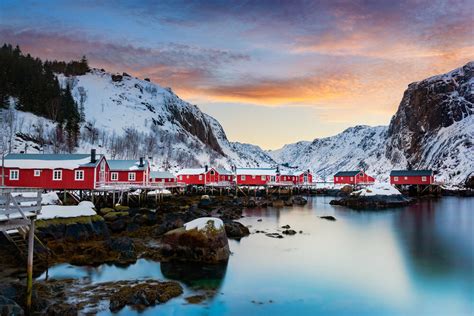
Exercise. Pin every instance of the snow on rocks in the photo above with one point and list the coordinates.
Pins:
(377, 189)
(204, 223)
(84, 208)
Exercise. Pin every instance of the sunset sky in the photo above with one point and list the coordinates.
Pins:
(272, 72)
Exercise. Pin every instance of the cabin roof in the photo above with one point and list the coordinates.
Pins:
(161, 175)
(256, 171)
(401, 173)
(50, 161)
(347, 173)
(223, 171)
(126, 165)
(192, 171)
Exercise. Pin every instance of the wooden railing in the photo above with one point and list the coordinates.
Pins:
(16, 207)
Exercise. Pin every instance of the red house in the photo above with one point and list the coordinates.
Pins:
(164, 177)
(303, 177)
(410, 177)
(256, 176)
(203, 176)
(55, 171)
(352, 177)
(129, 172)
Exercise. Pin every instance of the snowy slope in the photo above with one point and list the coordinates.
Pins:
(126, 118)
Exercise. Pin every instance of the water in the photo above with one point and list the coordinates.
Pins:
(416, 260)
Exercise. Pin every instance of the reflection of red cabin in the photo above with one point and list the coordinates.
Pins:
(203, 176)
(162, 177)
(56, 171)
(352, 177)
(129, 171)
(410, 177)
(256, 176)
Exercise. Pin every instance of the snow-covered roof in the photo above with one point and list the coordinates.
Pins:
(347, 173)
(161, 175)
(256, 171)
(50, 161)
(223, 171)
(126, 165)
(401, 173)
(191, 171)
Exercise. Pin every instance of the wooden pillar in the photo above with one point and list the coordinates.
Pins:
(113, 197)
(29, 267)
(92, 196)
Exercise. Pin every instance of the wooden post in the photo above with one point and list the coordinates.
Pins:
(29, 268)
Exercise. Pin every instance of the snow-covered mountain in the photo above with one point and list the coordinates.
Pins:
(126, 117)
(433, 128)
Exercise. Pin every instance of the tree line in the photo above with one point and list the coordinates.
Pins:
(34, 87)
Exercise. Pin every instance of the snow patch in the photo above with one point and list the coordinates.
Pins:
(203, 222)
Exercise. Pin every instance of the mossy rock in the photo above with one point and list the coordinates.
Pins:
(106, 210)
(111, 216)
(68, 221)
(121, 208)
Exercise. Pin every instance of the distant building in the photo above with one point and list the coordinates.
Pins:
(353, 177)
(56, 171)
(165, 177)
(256, 176)
(203, 176)
(411, 177)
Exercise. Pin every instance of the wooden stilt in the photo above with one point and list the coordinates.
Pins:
(29, 268)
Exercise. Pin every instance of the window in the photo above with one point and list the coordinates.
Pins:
(273, 179)
(162, 180)
(79, 175)
(180, 177)
(212, 172)
(406, 178)
(264, 178)
(395, 178)
(14, 174)
(131, 176)
(253, 177)
(336, 179)
(242, 177)
(37, 173)
(114, 176)
(57, 175)
(187, 176)
(200, 177)
(352, 178)
(423, 179)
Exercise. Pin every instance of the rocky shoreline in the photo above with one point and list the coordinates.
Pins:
(120, 236)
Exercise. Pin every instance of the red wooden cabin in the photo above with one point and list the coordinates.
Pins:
(164, 177)
(203, 176)
(256, 176)
(352, 177)
(55, 171)
(129, 171)
(411, 177)
(288, 177)
(303, 177)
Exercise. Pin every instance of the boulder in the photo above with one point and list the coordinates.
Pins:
(144, 295)
(236, 230)
(346, 190)
(117, 78)
(61, 309)
(72, 229)
(112, 216)
(289, 232)
(328, 217)
(299, 200)
(125, 248)
(201, 240)
(373, 201)
(119, 225)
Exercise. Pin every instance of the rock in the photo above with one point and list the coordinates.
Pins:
(105, 210)
(274, 235)
(328, 217)
(373, 201)
(147, 79)
(346, 190)
(62, 309)
(9, 307)
(286, 226)
(144, 295)
(251, 203)
(288, 202)
(117, 78)
(299, 200)
(112, 216)
(195, 299)
(72, 229)
(125, 74)
(259, 220)
(278, 203)
(236, 230)
(201, 240)
(118, 225)
(125, 248)
(121, 208)
(289, 232)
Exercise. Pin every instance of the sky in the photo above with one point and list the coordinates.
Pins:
(272, 72)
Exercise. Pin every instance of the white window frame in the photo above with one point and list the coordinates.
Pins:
(132, 176)
(406, 178)
(273, 179)
(200, 177)
(423, 179)
(37, 172)
(352, 178)
(242, 177)
(264, 178)
(114, 176)
(395, 178)
(180, 177)
(15, 172)
(59, 172)
(79, 172)
(337, 179)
